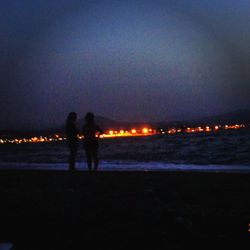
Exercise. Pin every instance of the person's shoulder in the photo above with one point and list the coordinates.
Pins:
(98, 128)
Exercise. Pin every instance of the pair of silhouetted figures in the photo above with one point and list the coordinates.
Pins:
(91, 133)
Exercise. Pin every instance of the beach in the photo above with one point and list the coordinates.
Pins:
(122, 210)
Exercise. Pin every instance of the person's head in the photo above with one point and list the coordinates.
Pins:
(89, 118)
(72, 116)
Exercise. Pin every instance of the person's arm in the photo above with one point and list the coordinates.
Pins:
(99, 130)
(84, 130)
(77, 130)
(70, 130)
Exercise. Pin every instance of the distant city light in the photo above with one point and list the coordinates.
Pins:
(123, 133)
(133, 131)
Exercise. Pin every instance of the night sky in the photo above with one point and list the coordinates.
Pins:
(125, 60)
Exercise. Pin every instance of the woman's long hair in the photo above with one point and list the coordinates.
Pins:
(71, 117)
(89, 118)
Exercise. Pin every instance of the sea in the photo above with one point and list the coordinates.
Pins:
(221, 151)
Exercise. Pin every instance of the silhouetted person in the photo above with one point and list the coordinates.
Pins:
(91, 133)
(72, 139)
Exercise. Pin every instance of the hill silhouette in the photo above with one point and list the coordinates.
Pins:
(234, 117)
(238, 116)
(106, 123)
(103, 122)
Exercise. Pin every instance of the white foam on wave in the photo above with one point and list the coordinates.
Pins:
(129, 166)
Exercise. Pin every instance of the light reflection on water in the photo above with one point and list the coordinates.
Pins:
(223, 148)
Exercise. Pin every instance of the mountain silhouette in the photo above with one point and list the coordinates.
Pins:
(234, 117)
(238, 116)
(103, 122)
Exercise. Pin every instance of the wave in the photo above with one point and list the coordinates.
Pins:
(125, 166)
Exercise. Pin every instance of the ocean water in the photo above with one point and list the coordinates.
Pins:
(223, 150)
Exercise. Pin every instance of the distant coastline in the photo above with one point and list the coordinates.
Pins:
(241, 116)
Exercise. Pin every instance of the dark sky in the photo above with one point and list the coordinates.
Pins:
(126, 60)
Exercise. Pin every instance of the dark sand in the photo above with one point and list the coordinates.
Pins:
(124, 210)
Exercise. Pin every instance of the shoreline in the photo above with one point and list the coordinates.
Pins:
(130, 167)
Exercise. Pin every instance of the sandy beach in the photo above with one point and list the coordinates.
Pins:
(124, 210)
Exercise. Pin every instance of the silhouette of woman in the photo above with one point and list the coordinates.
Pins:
(71, 132)
(91, 133)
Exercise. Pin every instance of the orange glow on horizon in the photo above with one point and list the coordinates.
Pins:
(125, 133)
